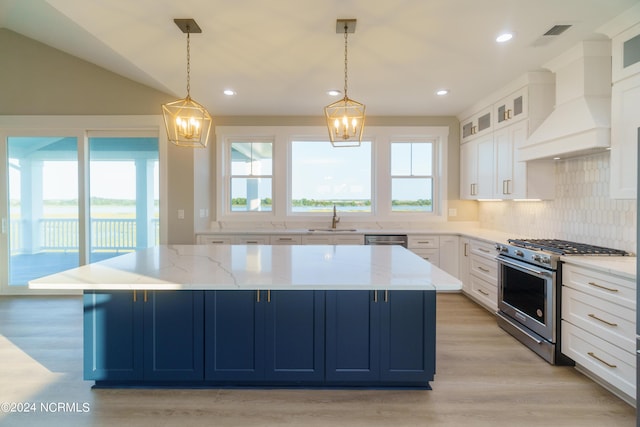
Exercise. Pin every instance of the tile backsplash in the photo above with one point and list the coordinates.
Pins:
(581, 211)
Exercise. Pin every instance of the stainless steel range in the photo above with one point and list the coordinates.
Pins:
(529, 291)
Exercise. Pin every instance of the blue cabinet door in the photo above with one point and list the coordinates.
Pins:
(113, 344)
(352, 337)
(294, 333)
(408, 331)
(234, 336)
(174, 336)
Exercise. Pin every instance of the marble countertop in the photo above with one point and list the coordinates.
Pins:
(253, 267)
(624, 266)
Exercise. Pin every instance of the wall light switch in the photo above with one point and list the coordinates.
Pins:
(180, 213)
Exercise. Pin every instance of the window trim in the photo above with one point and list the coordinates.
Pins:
(434, 173)
(282, 137)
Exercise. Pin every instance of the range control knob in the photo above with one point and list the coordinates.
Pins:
(519, 253)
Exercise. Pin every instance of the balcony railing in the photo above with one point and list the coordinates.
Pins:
(111, 235)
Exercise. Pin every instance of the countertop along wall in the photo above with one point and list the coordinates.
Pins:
(582, 210)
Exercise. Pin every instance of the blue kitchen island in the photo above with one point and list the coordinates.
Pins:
(258, 316)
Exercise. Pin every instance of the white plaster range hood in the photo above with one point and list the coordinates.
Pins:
(581, 120)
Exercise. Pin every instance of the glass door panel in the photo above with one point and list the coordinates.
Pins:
(43, 206)
(124, 195)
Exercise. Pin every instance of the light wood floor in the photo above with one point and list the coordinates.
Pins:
(484, 378)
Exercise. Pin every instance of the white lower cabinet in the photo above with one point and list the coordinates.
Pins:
(598, 327)
(481, 271)
(441, 250)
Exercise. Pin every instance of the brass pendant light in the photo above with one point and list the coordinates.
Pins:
(188, 123)
(345, 118)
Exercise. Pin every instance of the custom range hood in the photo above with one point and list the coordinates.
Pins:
(581, 120)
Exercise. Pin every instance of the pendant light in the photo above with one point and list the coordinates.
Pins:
(188, 123)
(345, 118)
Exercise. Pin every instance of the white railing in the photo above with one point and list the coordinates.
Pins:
(62, 234)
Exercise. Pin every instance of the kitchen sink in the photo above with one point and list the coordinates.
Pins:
(334, 230)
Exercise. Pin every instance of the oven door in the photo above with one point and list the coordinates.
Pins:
(526, 294)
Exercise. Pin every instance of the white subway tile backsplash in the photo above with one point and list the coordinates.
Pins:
(582, 210)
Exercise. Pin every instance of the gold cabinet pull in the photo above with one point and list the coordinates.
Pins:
(386, 295)
(269, 295)
(483, 292)
(601, 361)
(145, 295)
(593, 316)
(487, 251)
(466, 249)
(375, 296)
(483, 269)
(135, 296)
(258, 295)
(603, 287)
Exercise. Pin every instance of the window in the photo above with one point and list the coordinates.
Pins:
(286, 175)
(251, 176)
(322, 175)
(412, 176)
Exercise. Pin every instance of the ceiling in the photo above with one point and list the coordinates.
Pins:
(282, 56)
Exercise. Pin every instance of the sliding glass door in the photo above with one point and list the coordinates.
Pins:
(72, 200)
(124, 195)
(43, 206)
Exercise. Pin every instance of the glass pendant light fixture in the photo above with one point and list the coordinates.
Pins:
(188, 123)
(345, 118)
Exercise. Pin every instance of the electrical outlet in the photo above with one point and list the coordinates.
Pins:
(453, 212)
(180, 213)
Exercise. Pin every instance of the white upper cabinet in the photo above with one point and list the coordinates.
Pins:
(625, 103)
(625, 53)
(511, 108)
(515, 179)
(488, 158)
(477, 125)
(625, 135)
(477, 168)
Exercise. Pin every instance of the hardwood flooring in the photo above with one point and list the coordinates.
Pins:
(484, 378)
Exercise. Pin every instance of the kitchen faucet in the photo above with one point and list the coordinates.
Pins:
(336, 219)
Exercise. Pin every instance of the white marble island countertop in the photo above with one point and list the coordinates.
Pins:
(257, 267)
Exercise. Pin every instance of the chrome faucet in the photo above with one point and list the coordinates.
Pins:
(336, 219)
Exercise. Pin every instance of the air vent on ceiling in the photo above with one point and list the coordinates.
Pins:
(551, 34)
(556, 30)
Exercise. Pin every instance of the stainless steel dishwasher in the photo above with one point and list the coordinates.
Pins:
(385, 239)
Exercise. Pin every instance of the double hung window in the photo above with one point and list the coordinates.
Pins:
(412, 180)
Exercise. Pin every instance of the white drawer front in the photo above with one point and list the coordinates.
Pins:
(603, 286)
(606, 320)
(251, 240)
(431, 255)
(423, 241)
(215, 240)
(487, 250)
(484, 292)
(611, 363)
(287, 239)
(484, 268)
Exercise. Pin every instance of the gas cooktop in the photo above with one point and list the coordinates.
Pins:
(564, 247)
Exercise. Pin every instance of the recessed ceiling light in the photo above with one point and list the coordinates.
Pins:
(556, 158)
(504, 37)
(333, 92)
(229, 92)
(442, 92)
